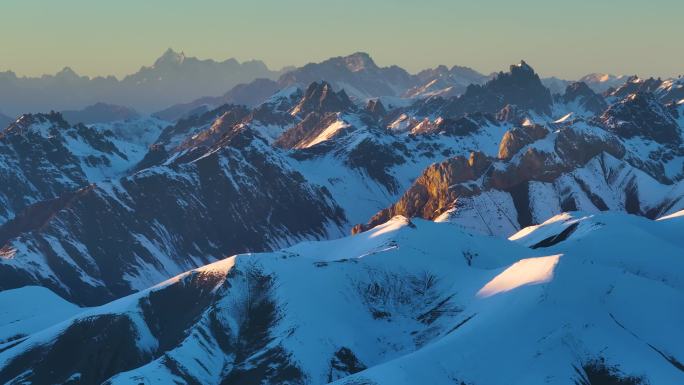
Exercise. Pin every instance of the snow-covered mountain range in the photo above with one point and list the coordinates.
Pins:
(503, 233)
(176, 85)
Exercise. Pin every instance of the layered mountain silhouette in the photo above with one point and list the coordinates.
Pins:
(176, 85)
(172, 78)
(100, 113)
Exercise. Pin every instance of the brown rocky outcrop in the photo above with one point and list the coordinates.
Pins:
(442, 184)
(435, 190)
(519, 137)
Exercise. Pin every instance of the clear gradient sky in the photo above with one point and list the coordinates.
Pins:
(566, 38)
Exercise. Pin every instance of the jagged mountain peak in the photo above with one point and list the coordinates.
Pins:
(357, 74)
(27, 121)
(359, 61)
(522, 67)
(584, 97)
(642, 114)
(376, 108)
(635, 84)
(520, 71)
(321, 88)
(510, 113)
(521, 87)
(578, 89)
(320, 97)
(67, 73)
(671, 90)
(170, 57)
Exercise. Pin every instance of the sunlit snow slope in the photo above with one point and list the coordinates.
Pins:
(404, 303)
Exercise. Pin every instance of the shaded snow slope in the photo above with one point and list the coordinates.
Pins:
(405, 302)
(42, 156)
(29, 309)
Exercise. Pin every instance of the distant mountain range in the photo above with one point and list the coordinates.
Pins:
(176, 85)
(171, 79)
(100, 113)
(362, 79)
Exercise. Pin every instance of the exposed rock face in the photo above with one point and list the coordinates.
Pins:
(319, 108)
(320, 98)
(275, 111)
(43, 156)
(435, 190)
(35, 217)
(519, 137)
(527, 154)
(236, 195)
(376, 160)
(184, 129)
(357, 72)
(510, 113)
(463, 126)
(376, 108)
(572, 148)
(641, 114)
(457, 127)
(585, 98)
(306, 130)
(577, 146)
(219, 128)
(671, 91)
(635, 84)
(521, 87)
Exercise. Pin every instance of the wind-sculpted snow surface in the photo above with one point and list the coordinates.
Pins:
(406, 302)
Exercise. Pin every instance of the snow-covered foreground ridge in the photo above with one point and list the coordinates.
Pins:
(579, 299)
